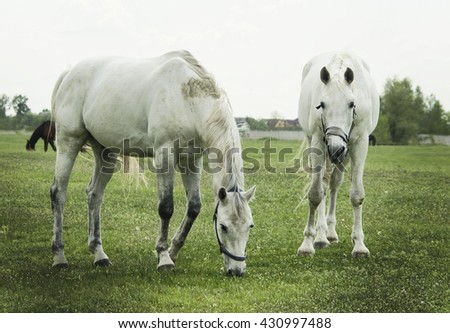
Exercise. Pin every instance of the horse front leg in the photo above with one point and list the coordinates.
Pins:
(164, 162)
(190, 174)
(357, 194)
(337, 176)
(316, 196)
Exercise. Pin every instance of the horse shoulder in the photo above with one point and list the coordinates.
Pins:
(193, 78)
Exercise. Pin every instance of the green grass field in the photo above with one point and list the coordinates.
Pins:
(406, 223)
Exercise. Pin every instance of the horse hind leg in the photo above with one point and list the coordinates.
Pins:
(65, 159)
(103, 171)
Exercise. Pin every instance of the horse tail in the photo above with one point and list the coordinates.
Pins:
(134, 170)
(302, 155)
(55, 90)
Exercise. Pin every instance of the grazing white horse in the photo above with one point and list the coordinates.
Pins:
(169, 108)
(338, 109)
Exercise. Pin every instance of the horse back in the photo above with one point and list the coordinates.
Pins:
(144, 100)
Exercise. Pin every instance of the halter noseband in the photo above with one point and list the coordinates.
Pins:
(222, 248)
(337, 131)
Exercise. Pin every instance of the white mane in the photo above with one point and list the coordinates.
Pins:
(222, 133)
(221, 129)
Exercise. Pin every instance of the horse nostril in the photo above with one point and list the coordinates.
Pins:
(236, 272)
(240, 273)
(336, 154)
(340, 151)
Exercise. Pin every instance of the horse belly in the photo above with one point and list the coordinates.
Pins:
(115, 129)
(139, 128)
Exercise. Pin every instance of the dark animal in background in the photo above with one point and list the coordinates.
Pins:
(372, 140)
(46, 132)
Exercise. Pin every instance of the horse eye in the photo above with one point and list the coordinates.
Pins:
(252, 225)
(224, 228)
(320, 106)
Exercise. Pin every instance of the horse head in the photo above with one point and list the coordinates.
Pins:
(338, 112)
(232, 222)
(29, 146)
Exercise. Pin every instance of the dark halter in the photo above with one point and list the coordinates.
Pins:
(337, 131)
(222, 248)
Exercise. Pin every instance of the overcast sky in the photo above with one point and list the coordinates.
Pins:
(255, 49)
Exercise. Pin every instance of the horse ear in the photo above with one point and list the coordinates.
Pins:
(249, 194)
(324, 75)
(222, 194)
(348, 75)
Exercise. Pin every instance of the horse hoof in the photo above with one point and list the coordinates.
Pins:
(359, 255)
(166, 267)
(61, 265)
(165, 263)
(103, 263)
(305, 253)
(321, 244)
(333, 240)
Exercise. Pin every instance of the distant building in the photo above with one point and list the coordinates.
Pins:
(283, 124)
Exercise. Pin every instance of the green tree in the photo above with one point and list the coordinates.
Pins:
(4, 105)
(19, 104)
(434, 119)
(402, 107)
(257, 125)
(382, 133)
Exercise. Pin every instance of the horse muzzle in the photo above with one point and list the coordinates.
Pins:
(337, 153)
(336, 141)
(336, 147)
(234, 268)
(236, 272)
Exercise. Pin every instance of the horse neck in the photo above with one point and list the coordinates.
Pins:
(35, 136)
(230, 175)
(222, 134)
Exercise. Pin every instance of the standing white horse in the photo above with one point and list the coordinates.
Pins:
(338, 109)
(169, 108)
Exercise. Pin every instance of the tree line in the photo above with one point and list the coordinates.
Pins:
(404, 113)
(23, 117)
